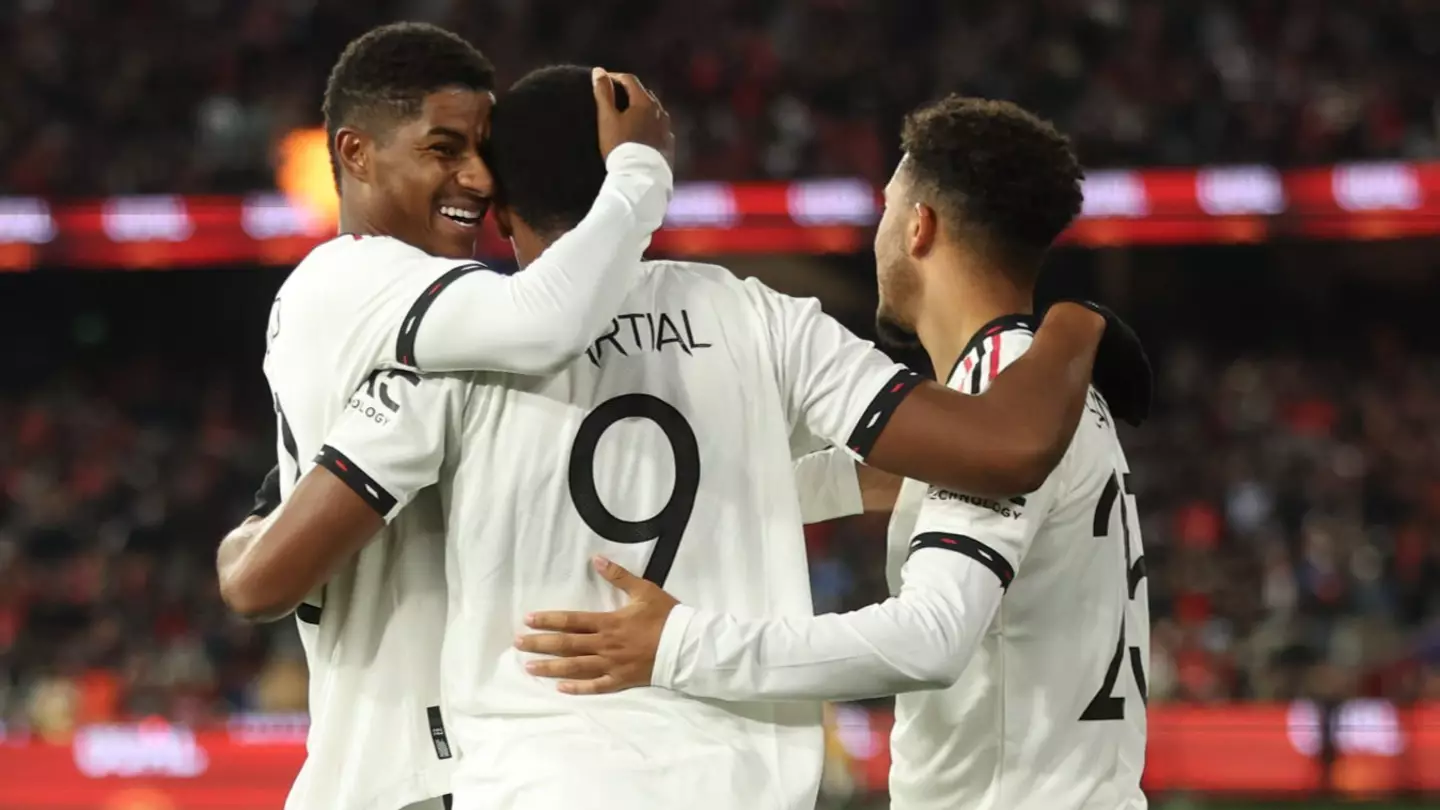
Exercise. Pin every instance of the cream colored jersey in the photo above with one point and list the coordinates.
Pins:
(1017, 637)
(667, 447)
(373, 633)
(1049, 712)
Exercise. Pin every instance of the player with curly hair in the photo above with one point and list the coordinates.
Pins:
(1017, 638)
(668, 444)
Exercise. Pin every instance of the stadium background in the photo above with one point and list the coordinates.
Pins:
(1263, 204)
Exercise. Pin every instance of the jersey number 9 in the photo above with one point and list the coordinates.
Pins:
(667, 526)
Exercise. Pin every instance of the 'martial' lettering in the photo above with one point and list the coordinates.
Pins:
(637, 332)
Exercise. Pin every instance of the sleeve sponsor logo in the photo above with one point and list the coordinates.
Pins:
(1009, 508)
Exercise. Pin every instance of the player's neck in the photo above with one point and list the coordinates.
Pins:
(959, 301)
(352, 221)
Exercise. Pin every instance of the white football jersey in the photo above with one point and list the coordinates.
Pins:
(373, 633)
(1016, 638)
(667, 449)
(336, 317)
(1049, 713)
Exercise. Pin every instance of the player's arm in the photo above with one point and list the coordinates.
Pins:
(963, 556)
(833, 485)
(386, 447)
(234, 544)
(1003, 441)
(541, 319)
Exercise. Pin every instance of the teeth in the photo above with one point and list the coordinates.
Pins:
(460, 213)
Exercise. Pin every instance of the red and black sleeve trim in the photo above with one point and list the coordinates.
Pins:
(872, 423)
(977, 373)
(405, 343)
(354, 477)
(970, 547)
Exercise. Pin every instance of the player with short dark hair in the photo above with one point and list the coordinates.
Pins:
(666, 445)
(543, 178)
(398, 292)
(1000, 180)
(1031, 702)
(380, 80)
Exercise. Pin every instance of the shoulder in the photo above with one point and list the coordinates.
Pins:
(691, 273)
(361, 259)
(714, 284)
(994, 347)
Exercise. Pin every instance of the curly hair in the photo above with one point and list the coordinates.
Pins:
(1001, 177)
(543, 147)
(382, 78)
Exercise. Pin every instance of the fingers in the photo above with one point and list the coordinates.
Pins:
(565, 621)
(598, 686)
(632, 85)
(604, 90)
(560, 644)
(621, 578)
(583, 667)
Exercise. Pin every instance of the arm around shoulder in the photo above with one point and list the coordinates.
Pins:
(1008, 439)
(539, 320)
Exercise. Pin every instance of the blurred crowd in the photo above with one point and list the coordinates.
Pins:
(192, 95)
(114, 490)
(1290, 508)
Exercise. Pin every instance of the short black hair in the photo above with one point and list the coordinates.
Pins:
(383, 77)
(1001, 176)
(544, 147)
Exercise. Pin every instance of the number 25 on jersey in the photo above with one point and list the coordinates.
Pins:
(1105, 705)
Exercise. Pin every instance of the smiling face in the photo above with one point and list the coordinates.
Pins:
(425, 182)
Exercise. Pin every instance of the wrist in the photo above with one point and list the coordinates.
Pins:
(638, 157)
(669, 652)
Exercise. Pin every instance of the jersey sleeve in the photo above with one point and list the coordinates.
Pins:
(963, 554)
(467, 317)
(833, 384)
(828, 486)
(963, 557)
(390, 441)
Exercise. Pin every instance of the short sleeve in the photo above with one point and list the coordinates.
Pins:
(390, 442)
(834, 384)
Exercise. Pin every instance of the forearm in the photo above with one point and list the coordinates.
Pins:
(267, 567)
(540, 319)
(921, 639)
(233, 546)
(237, 587)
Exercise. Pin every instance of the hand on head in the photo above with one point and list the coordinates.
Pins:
(642, 120)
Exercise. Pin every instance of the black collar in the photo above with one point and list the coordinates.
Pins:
(1004, 323)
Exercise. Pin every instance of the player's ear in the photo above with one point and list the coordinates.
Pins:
(922, 230)
(352, 149)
